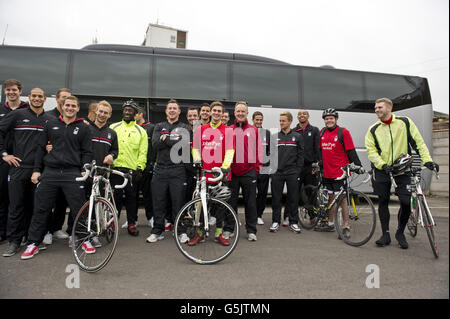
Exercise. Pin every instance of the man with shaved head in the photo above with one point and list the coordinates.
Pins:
(25, 126)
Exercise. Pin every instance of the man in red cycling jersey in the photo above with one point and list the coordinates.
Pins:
(213, 145)
(336, 151)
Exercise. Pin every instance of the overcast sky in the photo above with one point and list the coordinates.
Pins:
(395, 36)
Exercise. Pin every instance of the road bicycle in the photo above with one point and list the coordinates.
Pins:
(95, 230)
(361, 211)
(420, 211)
(208, 200)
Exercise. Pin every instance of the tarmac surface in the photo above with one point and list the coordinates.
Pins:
(282, 265)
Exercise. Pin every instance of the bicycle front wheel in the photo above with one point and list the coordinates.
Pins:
(412, 222)
(429, 226)
(362, 219)
(93, 247)
(201, 246)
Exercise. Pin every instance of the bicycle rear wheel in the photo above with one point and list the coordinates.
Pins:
(106, 235)
(412, 222)
(206, 251)
(429, 226)
(362, 219)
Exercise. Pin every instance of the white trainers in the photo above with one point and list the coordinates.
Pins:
(153, 238)
(212, 220)
(260, 221)
(286, 222)
(252, 237)
(295, 228)
(275, 226)
(150, 222)
(227, 235)
(48, 239)
(60, 234)
(96, 242)
(183, 238)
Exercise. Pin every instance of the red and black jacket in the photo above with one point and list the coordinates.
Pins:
(23, 127)
(72, 145)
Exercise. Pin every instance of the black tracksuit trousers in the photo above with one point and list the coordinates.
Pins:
(277, 185)
(52, 180)
(262, 184)
(145, 186)
(4, 199)
(21, 197)
(168, 184)
(247, 182)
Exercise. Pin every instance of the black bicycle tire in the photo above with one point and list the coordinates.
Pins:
(116, 222)
(429, 227)
(180, 246)
(374, 219)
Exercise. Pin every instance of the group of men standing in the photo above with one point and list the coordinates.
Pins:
(43, 153)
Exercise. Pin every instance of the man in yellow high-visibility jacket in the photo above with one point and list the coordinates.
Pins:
(133, 146)
(386, 141)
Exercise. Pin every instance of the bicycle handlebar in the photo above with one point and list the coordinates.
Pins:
(89, 168)
(215, 170)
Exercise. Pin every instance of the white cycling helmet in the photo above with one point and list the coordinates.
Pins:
(220, 192)
(402, 164)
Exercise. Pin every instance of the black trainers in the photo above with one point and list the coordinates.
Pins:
(384, 240)
(11, 250)
(401, 240)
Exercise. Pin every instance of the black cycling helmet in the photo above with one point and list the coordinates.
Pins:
(330, 111)
(402, 164)
(132, 104)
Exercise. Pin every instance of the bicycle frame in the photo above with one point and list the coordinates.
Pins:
(95, 193)
(202, 191)
(419, 193)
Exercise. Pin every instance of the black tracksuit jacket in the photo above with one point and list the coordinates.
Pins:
(151, 155)
(72, 145)
(310, 137)
(5, 110)
(104, 142)
(26, 127)
(173, 133)
(290, 153)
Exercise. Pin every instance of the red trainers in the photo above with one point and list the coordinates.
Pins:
(87, 247)
(221, 240)
(31, 250)
(197, 239)
(168, 227)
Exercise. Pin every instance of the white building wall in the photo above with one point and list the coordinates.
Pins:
(163, 38)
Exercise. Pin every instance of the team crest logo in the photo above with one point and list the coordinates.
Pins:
(109, 135)
(309, 134)
(293, 139)
(75, 131)
(26, 120)
(335, 139)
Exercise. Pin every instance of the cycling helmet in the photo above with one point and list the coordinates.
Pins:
(402, 164)
(220, 192)
(132, 104)
(330, 111)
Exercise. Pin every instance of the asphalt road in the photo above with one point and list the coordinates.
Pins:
(280, 265)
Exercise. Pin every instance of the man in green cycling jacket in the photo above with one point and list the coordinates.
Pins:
(133, 145)
(386, 141)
